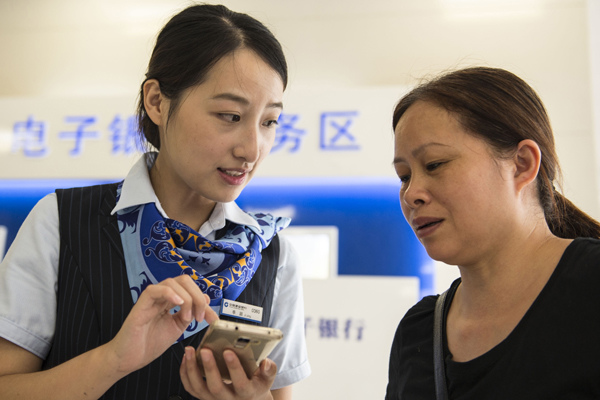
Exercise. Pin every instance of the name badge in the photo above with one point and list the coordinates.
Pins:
(241, 310)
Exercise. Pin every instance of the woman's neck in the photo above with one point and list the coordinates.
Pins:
(180, 203)
(493, 297)
(518, 272)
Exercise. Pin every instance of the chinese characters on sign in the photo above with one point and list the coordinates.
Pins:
(334, 132)
(30, 136)
(288, 133)
(80, 133)
(123, 134)
(336, 329)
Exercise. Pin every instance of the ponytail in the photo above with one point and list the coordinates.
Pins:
(569, 222)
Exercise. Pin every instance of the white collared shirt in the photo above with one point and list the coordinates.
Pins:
(29, 274)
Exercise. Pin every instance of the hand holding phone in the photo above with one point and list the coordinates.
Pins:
(250, 343)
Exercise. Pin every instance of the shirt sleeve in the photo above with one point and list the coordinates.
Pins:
(287, 314)
(28, 280)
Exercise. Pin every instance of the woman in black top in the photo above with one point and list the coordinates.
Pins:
(475, 153)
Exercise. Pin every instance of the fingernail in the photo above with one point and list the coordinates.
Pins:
(205, 356)
(228, 356)
(178, 300)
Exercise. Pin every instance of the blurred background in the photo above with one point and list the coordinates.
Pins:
(70, 73)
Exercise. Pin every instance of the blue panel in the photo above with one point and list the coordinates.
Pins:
(374, 238)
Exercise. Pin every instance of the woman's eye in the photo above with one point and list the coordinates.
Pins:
(272, 122)
(231, 117)
(404, 178)
(433, 166)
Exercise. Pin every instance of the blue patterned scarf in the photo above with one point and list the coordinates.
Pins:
(157, 248)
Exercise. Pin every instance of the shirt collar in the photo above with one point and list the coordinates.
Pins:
(137, 189)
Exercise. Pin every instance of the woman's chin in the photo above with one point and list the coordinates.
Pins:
(442, 255)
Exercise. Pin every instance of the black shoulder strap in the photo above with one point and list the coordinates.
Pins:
(441, 390)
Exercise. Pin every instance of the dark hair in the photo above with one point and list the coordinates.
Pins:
(191, 43)
(502, 109)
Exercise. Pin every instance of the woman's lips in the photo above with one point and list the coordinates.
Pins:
(233, 176)
(425, 226)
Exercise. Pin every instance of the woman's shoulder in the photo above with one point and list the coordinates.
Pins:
(579, 265)
(582, 249)
(289, 254)
(44, 209)
(586, 243)
(423, 308)
(418, 320)
(98, 187)
(420, 316)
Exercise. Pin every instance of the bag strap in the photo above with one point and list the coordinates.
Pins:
(441, 390)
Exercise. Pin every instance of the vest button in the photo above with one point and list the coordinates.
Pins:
(175, 397)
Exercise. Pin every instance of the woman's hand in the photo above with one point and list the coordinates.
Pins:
(213, 388)
(150, 329)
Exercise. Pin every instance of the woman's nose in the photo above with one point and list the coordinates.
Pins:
(414, 193)
(248, 145)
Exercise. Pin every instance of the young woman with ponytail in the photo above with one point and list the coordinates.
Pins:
(107, 290)
(476, 156)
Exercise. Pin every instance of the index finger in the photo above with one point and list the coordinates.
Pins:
(209, 314)
(200, 302)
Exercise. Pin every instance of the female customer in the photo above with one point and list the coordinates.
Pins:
(475, 154)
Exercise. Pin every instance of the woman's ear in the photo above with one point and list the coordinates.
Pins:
(527, 159)
(155, 103)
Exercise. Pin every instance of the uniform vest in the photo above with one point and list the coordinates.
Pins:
(94, 297)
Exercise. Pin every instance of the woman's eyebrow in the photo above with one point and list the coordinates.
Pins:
(242, 100)
(419, 150)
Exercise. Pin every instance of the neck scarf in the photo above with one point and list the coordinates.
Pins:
(167, 248)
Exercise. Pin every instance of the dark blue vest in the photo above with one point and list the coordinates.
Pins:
(94, 297)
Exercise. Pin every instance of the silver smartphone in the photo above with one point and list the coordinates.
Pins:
(251, 343)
